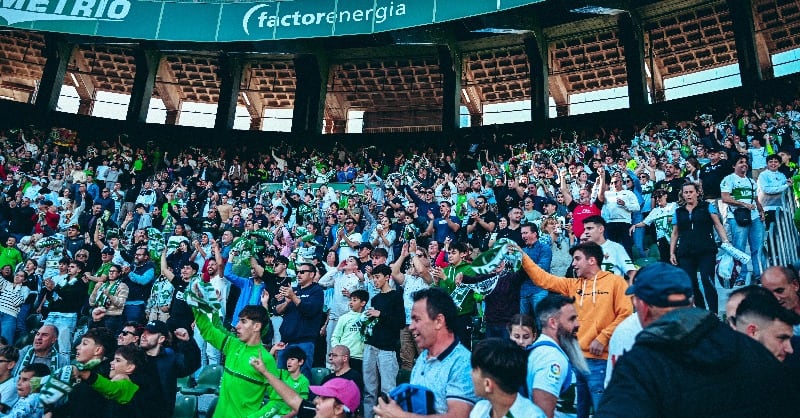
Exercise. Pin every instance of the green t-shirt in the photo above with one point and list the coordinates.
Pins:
(276, 405)
(449, 284)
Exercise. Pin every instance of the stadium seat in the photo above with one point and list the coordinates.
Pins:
(185, 406)
(207, 381)
(183, 382)
(33, 321)
(212, 406)
(319, 373)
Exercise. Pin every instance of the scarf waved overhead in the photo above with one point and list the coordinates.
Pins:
(60, 383)
(487, 263)
(202, 296)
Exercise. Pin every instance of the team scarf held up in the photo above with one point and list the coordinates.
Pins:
(487, 263)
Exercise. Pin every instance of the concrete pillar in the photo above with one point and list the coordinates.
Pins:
(147, 60)
(536, 50)
(230, 74)
(451, 69)
(58, 52)
(741, 12)
(632, 38)
(309, 97)
(172, 117)
(85, 106)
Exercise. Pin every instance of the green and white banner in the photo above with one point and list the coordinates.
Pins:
(240, 21)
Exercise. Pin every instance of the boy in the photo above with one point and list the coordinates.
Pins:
(28, 385)
(498, 371)
(292, 377)
(9, 356)
(133, 392)
(380, 352)
(348, 330)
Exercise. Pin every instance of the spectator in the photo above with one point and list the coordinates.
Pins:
(738, 191)
(180, 360)
(302, 314)
(42, 351)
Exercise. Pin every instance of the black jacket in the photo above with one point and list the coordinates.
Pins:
(689, 364)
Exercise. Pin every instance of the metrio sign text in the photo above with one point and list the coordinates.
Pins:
(99, 9)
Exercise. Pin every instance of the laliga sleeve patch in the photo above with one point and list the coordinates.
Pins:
(554, 371)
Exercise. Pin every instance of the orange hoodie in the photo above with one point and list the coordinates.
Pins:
(601, 302)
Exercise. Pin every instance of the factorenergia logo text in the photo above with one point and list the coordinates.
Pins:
(266, 18)
(16, 11)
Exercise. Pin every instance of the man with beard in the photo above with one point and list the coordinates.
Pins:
(347, 239)
(555, 356)
(601, 302)
(672, 181)
(180, 359)
(711, 174)
(687, 363)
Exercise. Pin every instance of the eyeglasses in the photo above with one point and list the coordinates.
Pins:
(5, 361)
(113, 271)
(349, 222)
(304, 271)
(429, 191)
(127, 333)
(81, 255)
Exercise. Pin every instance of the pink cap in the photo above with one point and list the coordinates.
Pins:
(342, 389)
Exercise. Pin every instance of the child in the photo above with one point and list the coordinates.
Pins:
(28, 383)
(348, 330)
(522, 330)
(380, 351)
(292, 377)
(498, 371)
(129, 387)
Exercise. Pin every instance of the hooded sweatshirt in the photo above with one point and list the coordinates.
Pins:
(600, 301)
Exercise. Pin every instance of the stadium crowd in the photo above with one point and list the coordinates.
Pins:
(496, 279)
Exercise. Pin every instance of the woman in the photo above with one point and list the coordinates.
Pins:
(180, 257)
(692, 245)
(383, 237)
(560, 242)
(692, 170)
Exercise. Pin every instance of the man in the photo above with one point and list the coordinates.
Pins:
(130, 334)
(43, 350)
(498, 371)
(64, 303)
(445, 225)
(585, 206)
(8, 387)
(771, 186)
(242, 388)
(687, 363)
(180, 360)
(416, 277)
(601, 302)
(347, 240)
(615, 258)
(302, 314)
(711, 174)
(672, 182)
(140, 283)
(542, 255)
(444, 364)
(339, 359)
(481, 223)
(96, 344)
(513, 230)
(762, 318)
(555, 356)
(250, 288)
(738, 191)
(783, 284)
(621, 203)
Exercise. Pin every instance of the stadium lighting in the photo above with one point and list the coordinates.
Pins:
(596, 7)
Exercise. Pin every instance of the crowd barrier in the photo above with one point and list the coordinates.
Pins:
(782, 237)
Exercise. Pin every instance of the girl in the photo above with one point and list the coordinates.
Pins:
(522, 330)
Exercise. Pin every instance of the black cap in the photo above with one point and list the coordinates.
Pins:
(157, 327)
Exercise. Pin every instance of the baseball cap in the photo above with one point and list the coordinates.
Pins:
(655, 283)
(344, 390)
(157, 327)
(107, 250)
(549, 201)
(366, 245)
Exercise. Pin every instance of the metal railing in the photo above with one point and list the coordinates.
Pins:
(782, 237)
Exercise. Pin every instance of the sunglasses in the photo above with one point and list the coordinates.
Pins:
(127, 333)
(304, 271)
(349, 222)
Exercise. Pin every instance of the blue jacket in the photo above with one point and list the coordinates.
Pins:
(247, 287)
(301, 323)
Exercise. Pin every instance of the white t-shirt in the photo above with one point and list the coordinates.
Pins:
(662, 218)
(522, 407)
(741, 189)
(621, 341)
(616, 259)
(411, 284)
(547, 368)
(8, 392)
